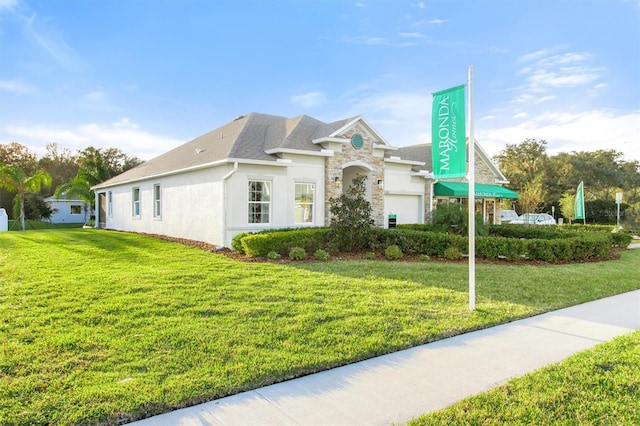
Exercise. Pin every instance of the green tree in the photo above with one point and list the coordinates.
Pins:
(567, 205)
(351, 217)
(95, 165)
(523, 164)
(13, 178)
(60, 163)
(36, 208)
(16, 155)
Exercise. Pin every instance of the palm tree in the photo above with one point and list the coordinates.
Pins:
(14, 179)
(80, 189)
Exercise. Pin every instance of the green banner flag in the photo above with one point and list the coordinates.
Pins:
(448, 134)
(579, 206)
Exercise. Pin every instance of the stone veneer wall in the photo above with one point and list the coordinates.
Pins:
(334, 167)
(483, 173)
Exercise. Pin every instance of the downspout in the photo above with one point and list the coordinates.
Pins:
(224, 202)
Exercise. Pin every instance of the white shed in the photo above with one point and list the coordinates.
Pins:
(68, 211)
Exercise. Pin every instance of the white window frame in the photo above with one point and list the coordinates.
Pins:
(109, 204)
(304, 208)
(252, 204)
(157, 201)
(135, 202)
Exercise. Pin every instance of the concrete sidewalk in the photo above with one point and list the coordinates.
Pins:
(403, 385)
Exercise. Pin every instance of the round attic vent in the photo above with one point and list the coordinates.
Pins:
(356, 141)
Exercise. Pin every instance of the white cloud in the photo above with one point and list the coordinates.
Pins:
(411, 35)
(123, 134)
(566, 132)
(520, 115)
(44, 34)
(402, 118)
(309, 100)
(15, 86)
(546, 69)
(96, 96)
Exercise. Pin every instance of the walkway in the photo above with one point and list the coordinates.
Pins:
(400, 386)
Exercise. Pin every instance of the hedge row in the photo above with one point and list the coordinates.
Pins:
(281, 242)
(567, 247)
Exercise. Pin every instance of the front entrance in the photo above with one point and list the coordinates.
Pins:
(101, 220)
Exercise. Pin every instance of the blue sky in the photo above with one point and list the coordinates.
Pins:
(145, 76)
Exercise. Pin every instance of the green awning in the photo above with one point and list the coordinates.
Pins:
(461, 189)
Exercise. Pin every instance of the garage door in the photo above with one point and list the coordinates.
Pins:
(407, 208)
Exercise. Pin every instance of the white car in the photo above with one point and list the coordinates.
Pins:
(507, 216)
(534, 219)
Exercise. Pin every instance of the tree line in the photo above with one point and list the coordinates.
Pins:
(26, 180)
(547, 183)
(543, 182)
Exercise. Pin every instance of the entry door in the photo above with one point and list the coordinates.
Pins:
(102, 210)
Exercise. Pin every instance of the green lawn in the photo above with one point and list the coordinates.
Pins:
(14, 225)
(600, 386)
(99, 326)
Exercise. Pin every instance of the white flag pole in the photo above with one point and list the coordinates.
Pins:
(472, 200)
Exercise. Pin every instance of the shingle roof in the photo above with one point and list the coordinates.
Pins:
(421, 152)
(247, 138)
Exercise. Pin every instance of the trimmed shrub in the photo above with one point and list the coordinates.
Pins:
(321, 255)
(370, 255)
(297, 253)
(310, 239)
(236, 242)
(621, 239)
(453, 253)
(272, 255)
(393, 253)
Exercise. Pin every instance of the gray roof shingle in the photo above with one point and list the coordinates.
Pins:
(247, 137)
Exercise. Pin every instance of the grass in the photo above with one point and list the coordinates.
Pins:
(14, 225)
(103, 327)
(596, 387)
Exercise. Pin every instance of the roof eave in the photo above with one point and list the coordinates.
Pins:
(191, 169)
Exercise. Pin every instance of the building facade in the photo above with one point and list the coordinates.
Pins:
(264, 172)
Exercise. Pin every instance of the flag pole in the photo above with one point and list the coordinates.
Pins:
(472, 200)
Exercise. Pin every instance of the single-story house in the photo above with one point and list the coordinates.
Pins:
(263, 172)
(68, 211)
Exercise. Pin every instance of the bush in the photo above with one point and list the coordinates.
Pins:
(297, 253)
(236, 242)
(621, 239)
(393, 253)
(273, 255)
(453, 253)
(321, 255)
(424, 258)
(310, 239)
(370, 255)
(351, 217)
(454, 219)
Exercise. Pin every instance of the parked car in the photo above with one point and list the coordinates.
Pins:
(535, 219)
(507, 216)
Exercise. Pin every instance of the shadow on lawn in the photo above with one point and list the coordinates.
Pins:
(540, 286)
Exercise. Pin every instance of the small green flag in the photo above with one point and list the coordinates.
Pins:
(448, 138)
(579, 206)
